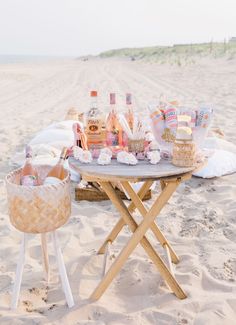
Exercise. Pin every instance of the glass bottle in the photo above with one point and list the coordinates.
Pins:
(80, 138)
(95, 124)
(114, 129)
(129, 111)
(29, 175)
(57, 173)
(129, 115)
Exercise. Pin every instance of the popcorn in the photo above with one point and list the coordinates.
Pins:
(106, 151)
(83, 156)
(154, 157)
(126, 158)
(104, 158)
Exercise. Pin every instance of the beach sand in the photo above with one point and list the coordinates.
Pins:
(199, 220)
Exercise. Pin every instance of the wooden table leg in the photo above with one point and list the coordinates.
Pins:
(120, 224)
(139, 236)
(143, 211)
(163, 184)
(141, 193)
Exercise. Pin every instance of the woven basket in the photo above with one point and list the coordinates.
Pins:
(136, 145)
(92, 194)
(38, 209)
(184, 153)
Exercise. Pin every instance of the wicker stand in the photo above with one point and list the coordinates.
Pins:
(39, 210)
(184, 153)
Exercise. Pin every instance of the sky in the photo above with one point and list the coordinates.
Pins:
(81, 27)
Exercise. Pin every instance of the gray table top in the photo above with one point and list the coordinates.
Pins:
(117, 171)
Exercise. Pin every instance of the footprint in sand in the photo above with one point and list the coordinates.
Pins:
(230, 269)
(229, 234)
(28, 305)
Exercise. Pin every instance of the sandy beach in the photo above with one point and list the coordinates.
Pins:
(199, 220)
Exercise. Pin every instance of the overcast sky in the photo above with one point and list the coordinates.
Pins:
(78, 27)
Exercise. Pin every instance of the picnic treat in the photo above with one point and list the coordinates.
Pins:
(126, 158)
(164, 123)
(184, 133)
(95, 126)
(29, 175)
(57, 173)
(104, 159)
(154, 157)
(171, 117)
(85, 156)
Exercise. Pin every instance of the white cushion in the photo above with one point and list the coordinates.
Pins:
(218, 143)
(57, 135)
(221, 163)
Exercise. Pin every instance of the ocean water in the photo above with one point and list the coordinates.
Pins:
(8, 59)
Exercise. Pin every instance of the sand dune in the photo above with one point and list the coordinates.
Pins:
(199, 220)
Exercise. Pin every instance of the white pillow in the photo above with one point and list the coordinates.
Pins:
(220, 163)
(218, 143)
(48, 143)
(57, 135)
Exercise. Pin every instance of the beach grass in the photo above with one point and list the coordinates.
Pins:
(179, 54)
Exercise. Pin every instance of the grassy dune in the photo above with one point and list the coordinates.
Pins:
(177, 54)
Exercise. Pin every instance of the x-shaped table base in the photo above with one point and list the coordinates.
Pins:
(168, 186)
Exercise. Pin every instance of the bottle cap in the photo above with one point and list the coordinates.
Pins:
(112, 98)
(128, 99)
(63, 153)
(28, 152)
(93, 93)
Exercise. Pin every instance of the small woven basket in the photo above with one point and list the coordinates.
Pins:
(184, 153)
(136, 145)
(92, 194)
(38, 209)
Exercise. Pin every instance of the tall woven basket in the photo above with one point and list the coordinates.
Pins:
(38, 209)
(184, 153)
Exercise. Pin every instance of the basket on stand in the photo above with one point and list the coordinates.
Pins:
(39, 210)
(184, 153)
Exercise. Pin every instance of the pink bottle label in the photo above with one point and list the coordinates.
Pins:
(112, 139)
(28, 180)
(128, 99)
(125, 139)
(112, 98)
